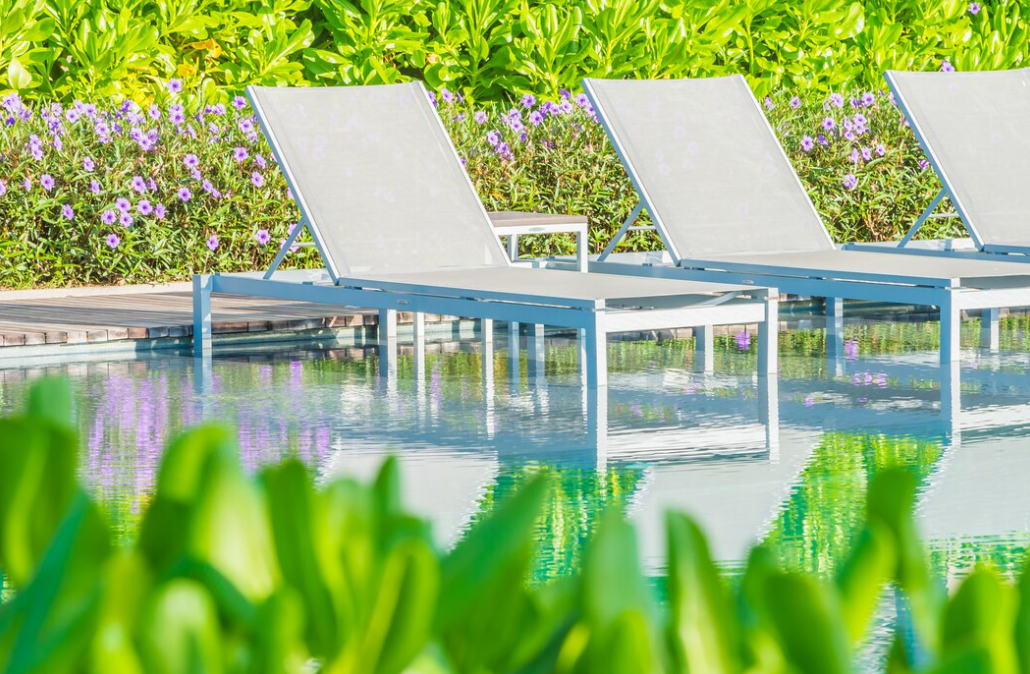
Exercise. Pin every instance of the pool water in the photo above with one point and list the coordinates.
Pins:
(781, 459)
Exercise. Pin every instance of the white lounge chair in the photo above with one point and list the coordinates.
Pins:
(972, 127)
(729, 207)
(400, 228)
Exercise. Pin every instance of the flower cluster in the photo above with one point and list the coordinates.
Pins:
(101, 194)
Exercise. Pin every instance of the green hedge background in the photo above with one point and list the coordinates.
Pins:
(488, 49)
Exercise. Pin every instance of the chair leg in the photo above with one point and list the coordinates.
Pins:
(597, 352)
(514, 372)
(704, 348)
(951, 323)
(834, 327)
(989, 329)
(768, 337)
(202, 314)
(419, 342)
(387, 343)
(535, 350)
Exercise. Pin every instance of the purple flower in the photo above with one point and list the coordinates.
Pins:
(854, 156)
(946, 66)
(432, 97)
(528, 100)
(837, 100)
(262, 237)
(480, 117)
(126, 220)
(191, 161)
(176, 117)
(26, 184)
(850, 181)
(3, 188)
(139, 184)
(246, 126)
(94, 186)
(795, 102)
(123, 204)
(851, 349)
(881, 150)
(154, 112)
(974, 8)
(257, 179)
(493, 138)
(769, 105)
(195, 174)
(582, 100)
(159, 211)
(68, 212)
(446, 95)
(849, 135)
(88, 165)
(207, 186)
(113, 240)
(828, 123)
(868, 99)
(175, 85)
(108, 217)
(185, 194)
(239, 153)
(47, 182)
(212, 243)
(239, 102)
(565, 106)
(536, 117)
(144, 207)
(807, 144)
(743, 340)
(867, 154)
(923, 164)
(260, 161)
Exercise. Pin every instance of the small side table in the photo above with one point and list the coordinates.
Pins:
(513, 223)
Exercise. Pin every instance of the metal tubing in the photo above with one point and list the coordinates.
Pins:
(597, 352)
(922, 218)
(202, 284)
(989, 329)
(704, 348)
(768, 336)
(951, 323)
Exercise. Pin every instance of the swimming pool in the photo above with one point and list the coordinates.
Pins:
(778, 459)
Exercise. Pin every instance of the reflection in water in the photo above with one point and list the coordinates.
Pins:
(783, 459)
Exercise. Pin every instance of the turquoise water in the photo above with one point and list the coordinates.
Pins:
(783, 459)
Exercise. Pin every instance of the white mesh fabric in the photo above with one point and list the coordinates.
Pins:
(376, 175)
(710, 165)
(977, 126)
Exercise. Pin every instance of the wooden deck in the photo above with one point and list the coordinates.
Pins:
(83, 319)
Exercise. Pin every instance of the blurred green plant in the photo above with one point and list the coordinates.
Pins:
(488, 49)
(234, 574)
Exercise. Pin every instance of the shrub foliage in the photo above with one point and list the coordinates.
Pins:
(58, 49)
(128, 194)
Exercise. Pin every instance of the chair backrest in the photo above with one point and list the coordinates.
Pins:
(375, 175)
(975, 129)
(707, 166)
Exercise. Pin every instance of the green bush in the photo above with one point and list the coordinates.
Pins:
(488, 49)
(235, 574)
(202, 194)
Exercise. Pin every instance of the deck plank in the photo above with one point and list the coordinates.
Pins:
(156, 315)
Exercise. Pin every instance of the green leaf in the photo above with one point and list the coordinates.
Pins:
(703, 629)
(17, 76)
(180, 633)
(808, 624)
(862, 576)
